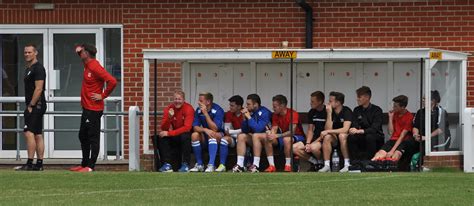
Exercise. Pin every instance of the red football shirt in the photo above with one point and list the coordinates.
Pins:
(236, 121)
(284, 122)
(179, 120)
(95, 76)
(401, 123)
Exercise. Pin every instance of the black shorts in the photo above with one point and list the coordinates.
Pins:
(390, 143)
(34, 119)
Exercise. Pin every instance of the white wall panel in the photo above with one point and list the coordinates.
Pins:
(272, 79)
(214, 78)
(375, 76)
(206, 80)
(307, 82)
(406, 79)
(222, 80)
(242, 80)
(341, 77)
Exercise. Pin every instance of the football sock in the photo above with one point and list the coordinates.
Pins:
(240, 160)
(346, 162)
(197, 151)
(256, 161)
(223, 151)
(271, 162)
(212, 151)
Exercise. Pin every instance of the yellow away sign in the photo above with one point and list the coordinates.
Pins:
(436, 55)
(283, 54)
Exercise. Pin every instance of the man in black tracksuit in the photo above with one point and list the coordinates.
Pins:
(439, 126)
(366, 134)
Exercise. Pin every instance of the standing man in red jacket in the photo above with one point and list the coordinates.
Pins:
(92, 102)
(176, 130)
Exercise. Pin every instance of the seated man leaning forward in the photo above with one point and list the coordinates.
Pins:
(256, 120)
(280, 133)
(399, 127)
(232, 123)
(208, 129)
(312, 151)
(338, 124)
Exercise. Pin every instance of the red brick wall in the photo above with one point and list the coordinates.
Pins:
(257, 24)
(453, 161)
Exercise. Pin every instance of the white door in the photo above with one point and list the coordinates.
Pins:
(65, 80)
(12, 94)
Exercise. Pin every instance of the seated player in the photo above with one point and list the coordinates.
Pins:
(439, 125)
(256, 120)
(311, 151)
(232, 123)
(366, 134)
(279, 134)
(399, 127)
(208, 127)
(338, 123)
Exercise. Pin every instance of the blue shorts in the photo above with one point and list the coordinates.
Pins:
(296, 138)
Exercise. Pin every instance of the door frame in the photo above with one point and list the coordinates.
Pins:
(23, 30)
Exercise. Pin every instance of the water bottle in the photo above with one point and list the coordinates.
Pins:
(335, 161)
(414, 166)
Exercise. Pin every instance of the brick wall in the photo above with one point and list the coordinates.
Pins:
(453, 161)
(445, 24)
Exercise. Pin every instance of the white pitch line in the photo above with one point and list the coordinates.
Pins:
(202, 186)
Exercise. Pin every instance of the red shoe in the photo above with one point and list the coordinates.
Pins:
(76, 168)
(270, 168)
(391, 159)
(380, 159)
(287, 168)
(85, 169)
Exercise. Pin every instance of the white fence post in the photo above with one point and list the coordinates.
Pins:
(468, 141)
(134, 138)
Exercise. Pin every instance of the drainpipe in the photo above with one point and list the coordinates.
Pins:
(309, 22)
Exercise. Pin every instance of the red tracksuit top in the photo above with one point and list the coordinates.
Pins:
(94, 78)
(180, 122)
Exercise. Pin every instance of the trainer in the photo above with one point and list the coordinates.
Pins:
(35, 77)
(92, 102)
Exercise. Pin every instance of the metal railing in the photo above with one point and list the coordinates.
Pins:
(133, 114)
(117, 130)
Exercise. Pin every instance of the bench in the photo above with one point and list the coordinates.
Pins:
(404, 163)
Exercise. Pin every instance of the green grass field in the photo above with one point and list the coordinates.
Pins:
(142, 188)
